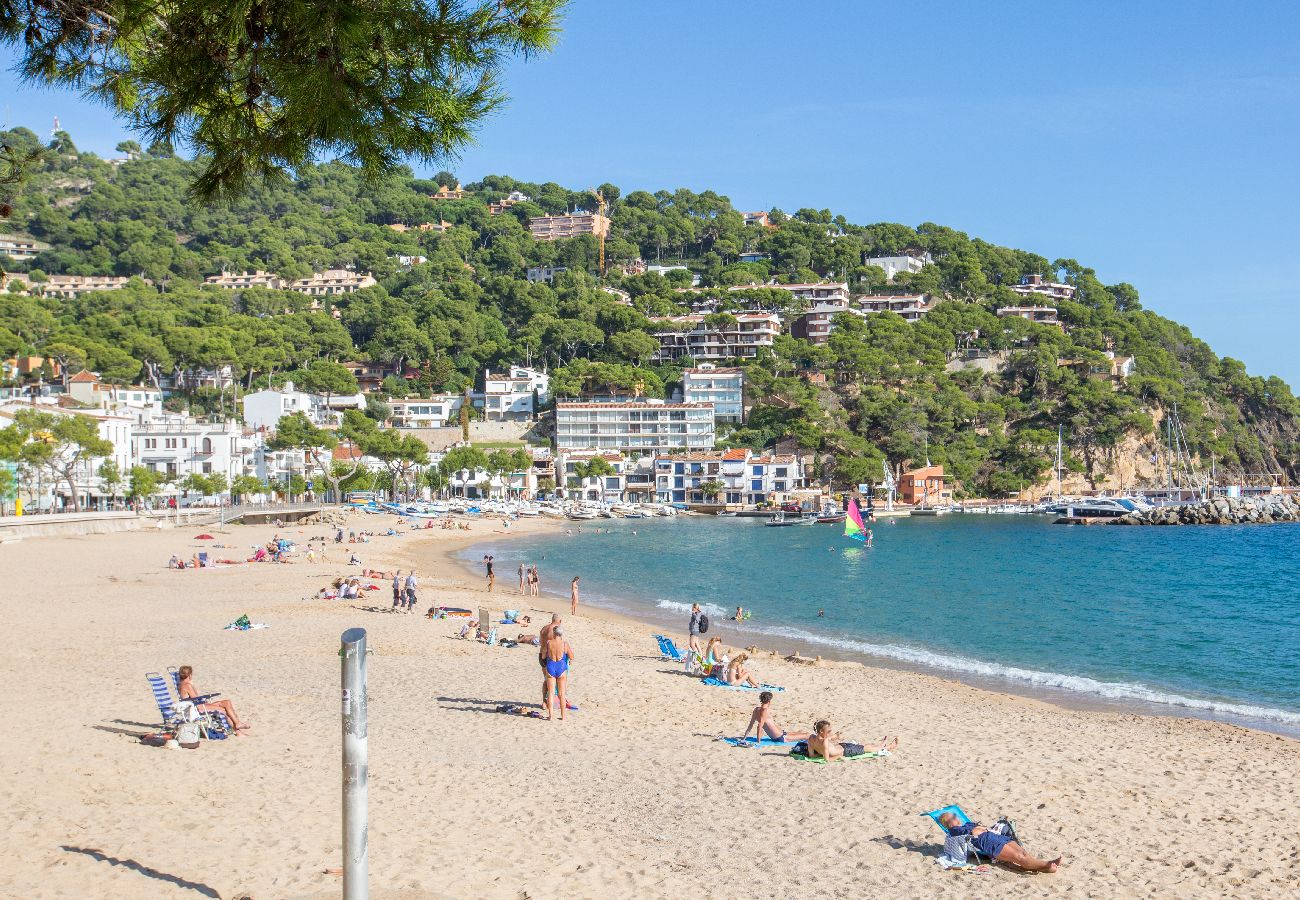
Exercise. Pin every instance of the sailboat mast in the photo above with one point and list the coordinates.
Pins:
(1059, 462)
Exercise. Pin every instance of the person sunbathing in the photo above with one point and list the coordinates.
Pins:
(998, 846)
(187, 691)
(736, 673)
(829, 746)
(762, 722)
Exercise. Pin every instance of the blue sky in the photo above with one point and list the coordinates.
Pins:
(1153, 142)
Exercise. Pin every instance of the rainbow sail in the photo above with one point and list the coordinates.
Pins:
(853, 527)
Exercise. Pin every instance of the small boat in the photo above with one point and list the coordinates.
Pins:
(726, 515)
(780, 521)
(582, 514)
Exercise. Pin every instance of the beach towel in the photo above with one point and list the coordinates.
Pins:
(749, 742)
(851, 752)
(715, 682)
(242, 624)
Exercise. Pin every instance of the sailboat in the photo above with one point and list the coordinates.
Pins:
(853, 525)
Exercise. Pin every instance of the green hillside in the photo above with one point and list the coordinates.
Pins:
(887, 390)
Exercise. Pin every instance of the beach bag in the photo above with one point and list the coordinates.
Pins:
(704, 624)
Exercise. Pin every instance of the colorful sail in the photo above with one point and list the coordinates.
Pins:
(853, 527)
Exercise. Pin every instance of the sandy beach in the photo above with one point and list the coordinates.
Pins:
(630, 796)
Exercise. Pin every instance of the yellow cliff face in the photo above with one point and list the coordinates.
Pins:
(1126, 467)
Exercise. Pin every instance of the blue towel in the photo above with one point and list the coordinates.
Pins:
(749, 742)
(716, 682)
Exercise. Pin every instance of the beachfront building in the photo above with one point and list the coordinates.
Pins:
(141, 403)
(17, 246)
(925, 486)
(911, 307)
(772, 477)
(909, 261)
(605, 488)
(724, 388)
(1043, 315)
(70, 287)
(264, 409)
(727, 478)
(438, 411)
(41, 492)
(176, 446)
(633, 427)
(690, 336)
(551, 228)
(1034, 286)
(514, 394)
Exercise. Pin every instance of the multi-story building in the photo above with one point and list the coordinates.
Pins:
(20, 367)
(816, 324)
(333, 281)
(369, 375)
(760, 219)
(45, 494)
(70, 287)
(446, 193)
(178, 445)
(1033, 286)
(437, 411)
(693, 338)
(924, 486)
(724, 388)
(772, 477)
(822, 292)
(264, 409)
(510, 395)
(737, 477)
(1043, 315)
(910, 306)
(608, 488)
(544, 274)
(550, 228)
(641, 426)
(141, 403)
(16, 246)
(242, 280)
(912, 261)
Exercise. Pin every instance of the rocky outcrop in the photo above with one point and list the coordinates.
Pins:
(1221, 511)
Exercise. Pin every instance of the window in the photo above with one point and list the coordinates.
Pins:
(756, 484)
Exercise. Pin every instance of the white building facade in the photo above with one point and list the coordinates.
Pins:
(724, 388)
(635, 427)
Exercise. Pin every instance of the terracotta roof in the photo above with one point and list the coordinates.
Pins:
(85, 376)
(734, 455)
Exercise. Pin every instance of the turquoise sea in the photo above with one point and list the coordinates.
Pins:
(1191, 621)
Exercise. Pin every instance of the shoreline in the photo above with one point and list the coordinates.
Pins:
(614, 801)
(640, 614)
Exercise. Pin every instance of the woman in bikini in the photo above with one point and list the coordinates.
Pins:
(187, 692)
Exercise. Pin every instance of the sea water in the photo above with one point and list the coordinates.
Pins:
(1186, 620)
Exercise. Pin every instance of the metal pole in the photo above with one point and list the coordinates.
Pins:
(356, 851)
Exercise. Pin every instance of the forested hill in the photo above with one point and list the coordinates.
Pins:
(888, 390)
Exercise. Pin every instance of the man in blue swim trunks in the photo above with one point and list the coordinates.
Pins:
(998, 846)
(556, 656)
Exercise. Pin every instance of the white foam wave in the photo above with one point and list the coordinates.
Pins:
(1111, 690)
(710, 609)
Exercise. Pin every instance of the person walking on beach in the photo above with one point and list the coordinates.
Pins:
(534, 581)
(556, 656)
(398, 598)
(523, 574)
(411, 585)
(491, 577)
(573, 596)
(694, 628)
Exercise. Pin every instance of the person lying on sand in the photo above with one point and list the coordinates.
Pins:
(187, 691)
(736, 673)
(762, 722)
(998, 846)
(829, 746)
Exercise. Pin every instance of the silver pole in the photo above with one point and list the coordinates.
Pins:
(356, 751)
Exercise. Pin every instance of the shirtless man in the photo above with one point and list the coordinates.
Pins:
(556, 656)
(762, 722)
(998, 846)
(825, 743)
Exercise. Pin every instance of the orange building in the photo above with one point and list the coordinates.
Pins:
(925, 485)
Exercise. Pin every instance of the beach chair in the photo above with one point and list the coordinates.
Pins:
(167, 708)
(1002, 825)
(669, 650)
(213, 724)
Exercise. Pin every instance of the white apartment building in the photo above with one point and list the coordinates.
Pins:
(724, 388)
(140, 402)
(263, 409)
(509, 395)
(745, 478)
(910, 306)
(1033, 286)
(41, 492)
(437, 411)
(608, 488)
(178, 445)
(1043, 315)
(16, 246)
(643, 426)
(822, 292)
(695, 339)
(907, 262)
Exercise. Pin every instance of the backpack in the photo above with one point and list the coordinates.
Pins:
(704, 624)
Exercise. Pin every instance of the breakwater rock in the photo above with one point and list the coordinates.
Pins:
(1221, 511)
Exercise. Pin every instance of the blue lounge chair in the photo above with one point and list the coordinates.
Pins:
(960, 813)
(167, 708)
(668, 649)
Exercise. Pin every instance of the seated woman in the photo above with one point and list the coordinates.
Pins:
(187, 692)
(715, 658)
(736, 673)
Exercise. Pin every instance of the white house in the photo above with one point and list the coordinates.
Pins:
(906, 262)
(509, 395)
(1034, 286)
(609, 488)
(263, 409)
(661, 271)
(140, 402)
(437, 411)
(645, 426)
(910, 306)
(724, 388)
(48, 494)
(178, 445)
(743, 478)
(544, 273)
